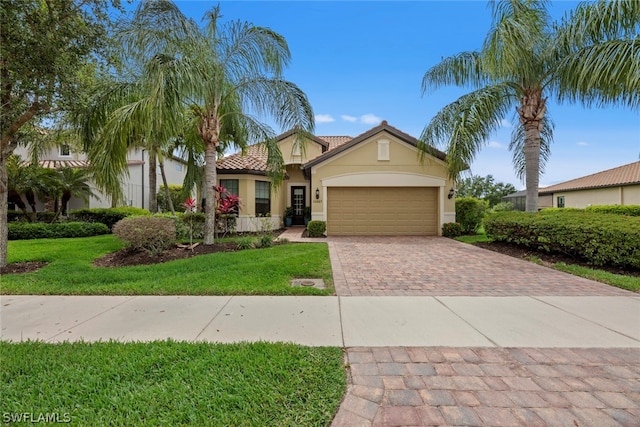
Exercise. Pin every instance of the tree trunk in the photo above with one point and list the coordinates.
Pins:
(532, 111)
(4, 207)
(210, 177)
(167, 193)
(153, 192)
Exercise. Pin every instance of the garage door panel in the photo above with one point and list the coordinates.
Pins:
(382, 211)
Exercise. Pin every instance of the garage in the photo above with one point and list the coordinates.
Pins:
(360, 211)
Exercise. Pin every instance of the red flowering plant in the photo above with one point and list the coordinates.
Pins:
(227, 207)
(189, 208)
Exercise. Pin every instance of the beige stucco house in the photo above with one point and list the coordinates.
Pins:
(617, 186)
(373, 184)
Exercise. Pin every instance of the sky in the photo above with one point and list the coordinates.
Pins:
(362, 62)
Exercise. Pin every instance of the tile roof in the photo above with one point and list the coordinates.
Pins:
(335, 141)
(622, 175)
(253, 159)
(56, 164)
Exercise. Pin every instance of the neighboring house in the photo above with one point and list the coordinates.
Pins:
(617, 186)
(371, 184)
(519, 200)
(135, 186)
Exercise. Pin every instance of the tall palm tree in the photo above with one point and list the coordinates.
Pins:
(223, 75)
(592, 57)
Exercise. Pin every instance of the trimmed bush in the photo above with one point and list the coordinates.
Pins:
(184, 222)
(40, 230)
(451, 229)
(316, 228)
(148, 233)
(631, 210)
(107, 216)
(600, 239)
(502, 207)
(469, 213)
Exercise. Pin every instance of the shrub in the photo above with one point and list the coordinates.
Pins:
(600, 239)
(502, 207)
(245, 242)
(451, 229)
(186, 223)
(39, 230)
(177, 197)
(265, 241)
(149, 233)
(107, 216)
(316, 228)
(469, 213)
(631, 210)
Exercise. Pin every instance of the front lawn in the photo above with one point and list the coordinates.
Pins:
(249, 272)
(172, 383)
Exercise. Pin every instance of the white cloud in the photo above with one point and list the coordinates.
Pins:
(370, 119)
(324, 118)
(349, 118)
(505, 123)
(496, 144)
(583, 144)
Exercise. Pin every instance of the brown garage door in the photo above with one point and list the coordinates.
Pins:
(382, 211)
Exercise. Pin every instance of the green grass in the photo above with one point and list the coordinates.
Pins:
(630, 283)
(173, 383)
(250, 272)
(477, 238)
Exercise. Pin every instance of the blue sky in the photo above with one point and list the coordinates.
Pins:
(362, 62)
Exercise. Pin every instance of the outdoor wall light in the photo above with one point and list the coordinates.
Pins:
(452, 193)
(317, 193)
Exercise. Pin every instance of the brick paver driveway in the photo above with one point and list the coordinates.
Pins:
(431, 266)
(424, 386)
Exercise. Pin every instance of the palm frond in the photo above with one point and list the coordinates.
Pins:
(463, 127)
(464, 69)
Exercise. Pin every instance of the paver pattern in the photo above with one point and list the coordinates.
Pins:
(427, 386)
(431, 266)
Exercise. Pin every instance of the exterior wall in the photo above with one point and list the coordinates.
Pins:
(247, 220)
(359, 167)
(311, 150)
(627, 195)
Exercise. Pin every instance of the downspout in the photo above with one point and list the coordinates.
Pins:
(143, 178)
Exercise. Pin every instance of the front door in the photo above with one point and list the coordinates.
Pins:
(298, 200)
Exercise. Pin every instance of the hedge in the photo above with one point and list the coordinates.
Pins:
(600, 239)
(631, 210)
(469, 213)
(106, 216)
(39, 230)
(316, 228)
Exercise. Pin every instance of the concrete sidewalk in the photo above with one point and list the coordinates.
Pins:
(346, 321)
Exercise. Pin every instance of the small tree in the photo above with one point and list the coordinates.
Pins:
(485, 188)
(469, 213)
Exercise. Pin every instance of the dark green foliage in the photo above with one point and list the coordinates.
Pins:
(39, 230)
(148, 233)
(177, 197)
(265, 241)
(107, 216)
(631, 210)
(451, 229)
(189, 225)
(485, 188)
(316, 228)
(469, 213)
(600, 239)
(245, 242)
(13, 216)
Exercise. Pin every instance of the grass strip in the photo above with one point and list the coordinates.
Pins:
(173, 383)
(249, 272)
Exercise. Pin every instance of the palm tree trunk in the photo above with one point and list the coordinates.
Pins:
(153, 192)
(210, 177)
(532, 111)
(167, 193)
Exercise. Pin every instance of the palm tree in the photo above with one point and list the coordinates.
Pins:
(73, 183)
(592, 57)
(222, 75)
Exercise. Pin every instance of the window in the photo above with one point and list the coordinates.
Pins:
(231, 185)
(65, 150)
(263, 198)
(561, 201)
